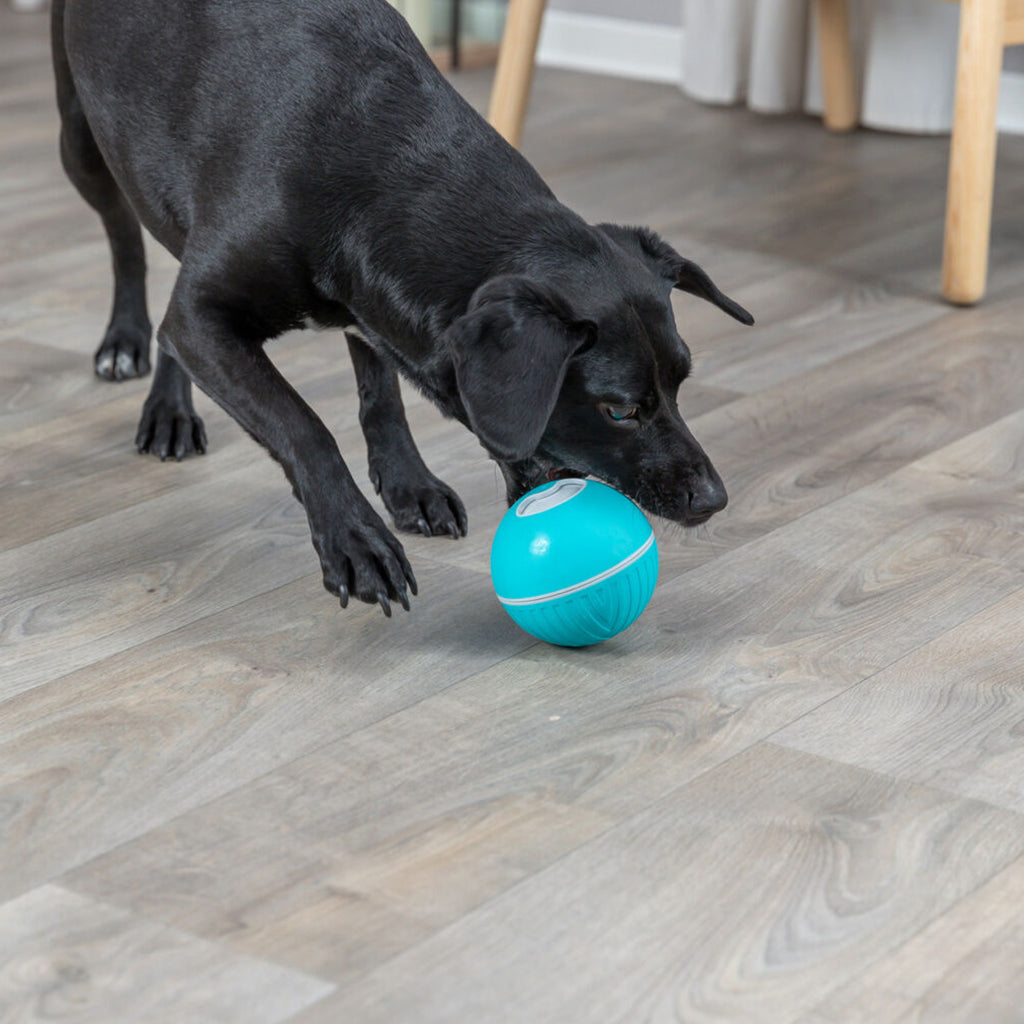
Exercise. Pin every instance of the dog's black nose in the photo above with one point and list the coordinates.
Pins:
(708, 496)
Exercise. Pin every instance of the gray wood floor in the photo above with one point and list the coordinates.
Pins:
(792, 792)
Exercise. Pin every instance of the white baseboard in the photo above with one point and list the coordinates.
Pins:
(611, 46)
(654, 53)
(1010, 116)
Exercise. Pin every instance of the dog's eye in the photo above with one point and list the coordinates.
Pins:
(618, 413)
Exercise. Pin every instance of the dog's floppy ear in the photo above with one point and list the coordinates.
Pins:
(683, 273)
(511, 349)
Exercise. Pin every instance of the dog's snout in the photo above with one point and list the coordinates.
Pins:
(708, 496)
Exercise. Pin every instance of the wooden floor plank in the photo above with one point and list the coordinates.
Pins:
(208, 707)
(370, 874)
(984, 986)
(953, 970)
(66, 957)
(806, 317)
(36, 379)
(207, 555)
(746, 895)
(946, 715)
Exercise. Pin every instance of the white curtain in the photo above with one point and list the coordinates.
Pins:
(764, 52)
(420, 15)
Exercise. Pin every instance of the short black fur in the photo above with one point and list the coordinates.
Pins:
(306, 162)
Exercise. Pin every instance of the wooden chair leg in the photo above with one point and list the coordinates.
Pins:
(972, 153)
(514, 74)
(838, 79)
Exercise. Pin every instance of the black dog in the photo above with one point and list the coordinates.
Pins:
(305, 161)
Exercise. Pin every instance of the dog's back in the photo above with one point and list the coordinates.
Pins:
(315, 114)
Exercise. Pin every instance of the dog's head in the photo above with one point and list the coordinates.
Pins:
(577, 375)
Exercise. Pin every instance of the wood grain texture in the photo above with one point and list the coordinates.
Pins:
(66, 957)
(344, 867)
(948, 714)
(742, 896)
(790, 792)
(215, 704)
(951, 971)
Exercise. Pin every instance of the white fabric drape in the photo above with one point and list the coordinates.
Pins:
(765, 52)
(420, 15)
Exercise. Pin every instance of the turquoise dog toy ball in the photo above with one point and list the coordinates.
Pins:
(574, 562)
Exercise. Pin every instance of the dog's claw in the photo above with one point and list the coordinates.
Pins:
(420, 503)
(170, 430)
(363, 561)
(409, 575)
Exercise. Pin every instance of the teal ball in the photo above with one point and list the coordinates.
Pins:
(574, 562)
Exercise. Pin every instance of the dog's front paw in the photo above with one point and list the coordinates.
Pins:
(422, 504)
(123, 353)
(169, 427)
(363, 560)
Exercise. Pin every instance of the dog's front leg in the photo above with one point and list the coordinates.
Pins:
(417, 500)
(358, 554)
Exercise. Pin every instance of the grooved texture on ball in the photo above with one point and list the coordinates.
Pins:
(596, 613)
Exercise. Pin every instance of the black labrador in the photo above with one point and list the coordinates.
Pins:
(306, 163)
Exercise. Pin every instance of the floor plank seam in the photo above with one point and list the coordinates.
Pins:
(438, 934)
(307, 752)
(887, 954)
(909, 653)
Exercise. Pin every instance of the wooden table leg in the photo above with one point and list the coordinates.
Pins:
(514, 74)
(972, 152)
